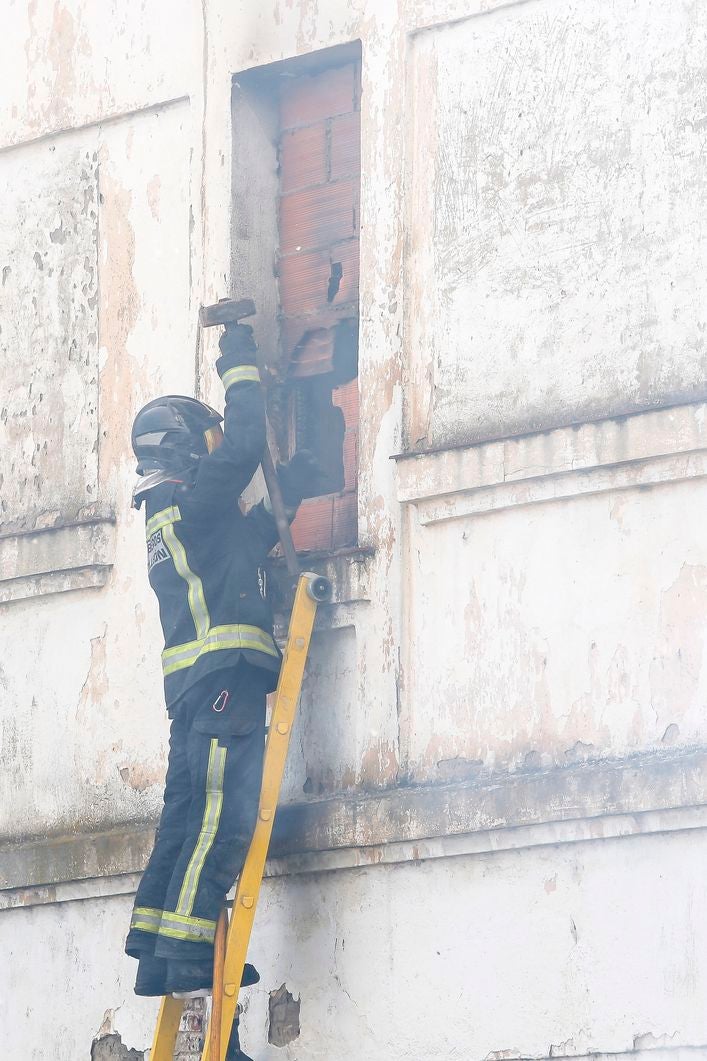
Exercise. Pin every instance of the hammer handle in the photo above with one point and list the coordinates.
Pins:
(230, 311)
(278, 510)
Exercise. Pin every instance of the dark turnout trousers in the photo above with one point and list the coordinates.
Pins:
(214, 773)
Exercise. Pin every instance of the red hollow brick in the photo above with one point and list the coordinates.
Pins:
(326, 317)
(294, 329)
(318, 227)
(313, 97)
(304, 280)
(314, 356)
(351, 459)
(347, 254)
(346, 397)
(345, 527)
(345, 151)
(318, 217)
(303, 158)
(312, 527)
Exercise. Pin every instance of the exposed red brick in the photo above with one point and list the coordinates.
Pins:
(318, 217)
(347, 254)
(314, 355)
(312, 527)
(293, 329)
(350, 459)
(321, 137)
(345, 527)
(303, 158)
(312, 97)
(345, 151)
(304, 279)
(346, 398)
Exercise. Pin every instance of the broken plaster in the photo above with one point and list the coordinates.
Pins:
(284, 1014)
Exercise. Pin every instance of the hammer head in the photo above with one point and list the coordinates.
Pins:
(226, 311)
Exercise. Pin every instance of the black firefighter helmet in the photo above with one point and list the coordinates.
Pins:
(173, 432)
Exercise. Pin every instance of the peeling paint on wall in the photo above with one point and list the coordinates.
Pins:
(562, 161)
(49, 342)
(111, 1048)
(119, 311)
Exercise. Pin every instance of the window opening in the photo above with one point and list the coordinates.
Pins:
(299, 144)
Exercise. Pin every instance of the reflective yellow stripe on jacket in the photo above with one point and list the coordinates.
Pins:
(195, 589)
(236, 635)
(240, 374)
(208, 638)
(193, 929)
(147, 919)
(165, 521)
(162, 519)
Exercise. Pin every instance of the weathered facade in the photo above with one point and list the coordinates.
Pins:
(495, 836)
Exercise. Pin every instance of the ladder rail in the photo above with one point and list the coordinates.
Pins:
(311, 590)
(281, 722)
(219, 960)
(167, 1029)
(315, 590)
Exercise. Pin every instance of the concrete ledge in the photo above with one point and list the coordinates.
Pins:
(56, 559)
(678, 1052)
(350, 572)
(593, 801)
(487, 843)
(646, 449)
(491, 841)
(645, 783)
(52, 861)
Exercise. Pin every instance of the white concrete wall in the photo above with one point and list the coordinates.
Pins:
(555, 262)
(564, 950)
(76, 677)
(504, 716)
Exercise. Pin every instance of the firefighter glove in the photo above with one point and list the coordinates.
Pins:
(237, 346)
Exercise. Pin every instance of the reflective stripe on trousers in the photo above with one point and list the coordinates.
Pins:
(179, 924)
(209, 828)
(175, 926)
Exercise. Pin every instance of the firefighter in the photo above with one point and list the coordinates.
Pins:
(206, 564)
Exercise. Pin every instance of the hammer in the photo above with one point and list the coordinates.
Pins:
(230, 311)
(226, 311)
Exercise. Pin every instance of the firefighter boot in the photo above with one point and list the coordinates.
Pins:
(234, 1052)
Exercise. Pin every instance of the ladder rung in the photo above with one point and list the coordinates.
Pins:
(248, 889)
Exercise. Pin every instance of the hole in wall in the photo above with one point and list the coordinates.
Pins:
(335, 276)
(283, 1013)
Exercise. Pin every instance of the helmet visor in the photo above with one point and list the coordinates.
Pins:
(151, 438)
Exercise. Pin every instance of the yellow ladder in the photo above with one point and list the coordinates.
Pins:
(311, 591)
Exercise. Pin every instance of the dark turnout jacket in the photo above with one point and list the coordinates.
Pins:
(206, 559)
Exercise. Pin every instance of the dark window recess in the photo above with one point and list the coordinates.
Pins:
(319, 427)
(334, 281)
(315, 406)
(318, 402)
